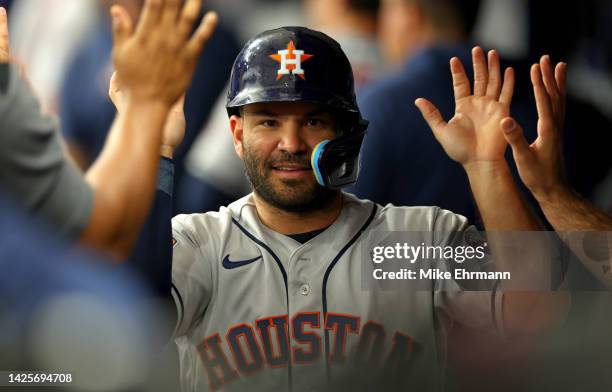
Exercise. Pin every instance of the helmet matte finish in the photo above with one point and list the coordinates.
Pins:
(292, 64)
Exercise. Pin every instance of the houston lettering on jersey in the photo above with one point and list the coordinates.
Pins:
(267, 342)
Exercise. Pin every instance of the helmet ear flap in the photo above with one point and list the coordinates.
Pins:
(336, 162)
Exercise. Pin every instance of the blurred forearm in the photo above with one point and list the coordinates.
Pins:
(123, 177)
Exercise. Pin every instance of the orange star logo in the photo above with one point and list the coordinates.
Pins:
(290, 60)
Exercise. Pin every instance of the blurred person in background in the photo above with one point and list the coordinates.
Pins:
(215, 175)
(417, 37)
(86, 112)
(44, 36)
(262, 14)
(354, 24)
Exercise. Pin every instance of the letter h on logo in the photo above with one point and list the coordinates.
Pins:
(290, 60)
(296, 61)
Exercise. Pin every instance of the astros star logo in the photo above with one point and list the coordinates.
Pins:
(290, 61)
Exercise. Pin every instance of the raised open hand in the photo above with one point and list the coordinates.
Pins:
(157, 61)
(540, 164)
(473, 134)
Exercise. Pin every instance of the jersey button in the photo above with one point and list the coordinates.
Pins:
(305, 289)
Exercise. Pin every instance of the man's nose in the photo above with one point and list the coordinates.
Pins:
(292, 140)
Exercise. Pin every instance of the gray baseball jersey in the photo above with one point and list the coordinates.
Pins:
(258, 310)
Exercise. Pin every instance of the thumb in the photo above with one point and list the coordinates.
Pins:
(513, 133)
(431, 114)
(121, 23)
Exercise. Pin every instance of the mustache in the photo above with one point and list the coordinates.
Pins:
(301, 159)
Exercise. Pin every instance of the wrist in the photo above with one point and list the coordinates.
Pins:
(486, 168)
(146, 103)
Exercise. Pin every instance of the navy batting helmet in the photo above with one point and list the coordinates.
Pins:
(296, 64)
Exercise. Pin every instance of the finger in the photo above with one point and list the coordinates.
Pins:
(150, 16)
(188, 18)
(507, 90)
(543, 103)
(4, 37)
(561, 78)
(169, 14)
(431, 114)
(481, 74)
(513, 133)
(202, 34)
(122, 25)
(494, 84)
(549, 78)
(461, 83)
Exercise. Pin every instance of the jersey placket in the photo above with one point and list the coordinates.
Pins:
(304, 271)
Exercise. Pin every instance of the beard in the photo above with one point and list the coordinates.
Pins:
(301, 195)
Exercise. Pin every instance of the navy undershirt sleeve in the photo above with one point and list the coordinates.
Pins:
(152, 255)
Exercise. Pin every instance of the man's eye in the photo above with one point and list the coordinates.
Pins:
(314, 122)
(268, 123)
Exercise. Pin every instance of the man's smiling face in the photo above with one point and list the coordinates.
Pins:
(276, 140)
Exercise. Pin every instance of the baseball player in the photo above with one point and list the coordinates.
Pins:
(268, 290)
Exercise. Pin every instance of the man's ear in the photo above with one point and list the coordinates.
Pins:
(236, 127)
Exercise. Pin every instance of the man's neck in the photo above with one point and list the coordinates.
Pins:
(288, 223)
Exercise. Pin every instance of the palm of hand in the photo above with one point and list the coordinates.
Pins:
(157, 60)
(473, 132)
